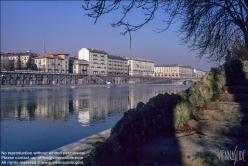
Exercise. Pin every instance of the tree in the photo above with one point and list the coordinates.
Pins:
(18, 63)
(11, 66)
(5, 63)
(30, 65)
(208, 26)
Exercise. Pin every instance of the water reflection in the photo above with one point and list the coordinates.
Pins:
(91, 105)
(48, 119)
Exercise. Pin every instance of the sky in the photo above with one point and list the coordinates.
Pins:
(65, 27)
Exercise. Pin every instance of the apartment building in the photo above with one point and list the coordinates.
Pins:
(51, 62)
(24, 57)
(6, 64)
(177, 71)
(97, 60)
(78, 66)
(159, 71)
(117, 66)
(199, 73)
(140, 67)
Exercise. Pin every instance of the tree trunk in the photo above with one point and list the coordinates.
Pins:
(246, 47)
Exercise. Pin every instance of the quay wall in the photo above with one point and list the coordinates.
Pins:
(42, 78)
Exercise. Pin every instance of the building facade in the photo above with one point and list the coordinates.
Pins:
(51, 62)
(140, 67)
(199, 73)
(159, 71)
(177, 71)
(97, 60)
(78, 66)
(24, 57)
(6, 63)
(117, 66)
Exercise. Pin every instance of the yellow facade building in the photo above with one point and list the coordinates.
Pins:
(51, 62)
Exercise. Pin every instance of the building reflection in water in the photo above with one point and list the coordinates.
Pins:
(92, 106)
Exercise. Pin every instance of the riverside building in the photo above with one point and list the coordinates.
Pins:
(24, 57)
(97, 60)
(140, 67)
(177, 71)
(78, 66)
(117, 66)
(51, 62)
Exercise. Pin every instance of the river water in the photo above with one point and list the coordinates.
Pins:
(43, 120)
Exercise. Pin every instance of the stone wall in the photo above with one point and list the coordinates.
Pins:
(161, 114)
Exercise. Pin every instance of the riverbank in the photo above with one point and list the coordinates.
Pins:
(72, 153)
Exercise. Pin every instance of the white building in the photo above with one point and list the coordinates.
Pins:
(199, 73)
(97, 60)
(140, 67)
(159, 71)
(177, 71)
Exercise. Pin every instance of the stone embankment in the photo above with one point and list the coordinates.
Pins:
(219, 129)
(214, 110)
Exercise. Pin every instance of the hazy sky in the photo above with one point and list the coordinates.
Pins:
(66, 28)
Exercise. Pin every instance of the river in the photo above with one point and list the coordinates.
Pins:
(43, 120)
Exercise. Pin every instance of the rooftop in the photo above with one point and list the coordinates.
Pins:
(28, 53)
(173, 65)
(96, 51)
(137, 59)
(116, 57)
(49, 56)
(63, 53)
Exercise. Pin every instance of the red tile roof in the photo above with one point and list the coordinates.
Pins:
(49, 56)
(46, 55)
(63, 53)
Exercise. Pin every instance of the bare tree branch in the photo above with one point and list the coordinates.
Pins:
(209, 26)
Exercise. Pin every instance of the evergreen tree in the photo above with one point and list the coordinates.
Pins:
(30, 65)
(18, 64)
(11, 66)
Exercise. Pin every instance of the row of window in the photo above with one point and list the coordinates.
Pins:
(140, 71)
(95, 55)
(98, 67)
(98, 63)
(113, 61)
(50, 61)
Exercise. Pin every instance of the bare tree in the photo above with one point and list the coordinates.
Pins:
(6, 64)
(208, 26)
